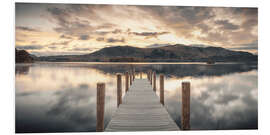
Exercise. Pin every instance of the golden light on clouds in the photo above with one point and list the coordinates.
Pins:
(62, 29)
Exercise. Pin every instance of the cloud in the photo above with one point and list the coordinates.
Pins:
(178, 14)
(29, 47)
(74, 21)
(102, 33)
(225, 24)
(140, 25)
(226, 98)
(68, 23)
(117, 31)
(60, 15)
(84, 37)
(113, 40)
(24, 28)
(60, 43)
(69, 105)
(157, 45)
(106, 26)
(203, 27)
(194, 15)
(100, 39)
(250, 23)
(149, 34)
(65, 36)
(184, 21)
(253, 46)
(81, 49)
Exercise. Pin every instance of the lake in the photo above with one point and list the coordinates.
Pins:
(61, 97)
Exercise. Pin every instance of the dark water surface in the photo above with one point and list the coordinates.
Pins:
(61, 97)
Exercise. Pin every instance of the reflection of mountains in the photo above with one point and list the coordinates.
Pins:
(22, 69)
(180, 70)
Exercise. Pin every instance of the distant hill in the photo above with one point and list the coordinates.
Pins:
(169, 53)
(22, 56)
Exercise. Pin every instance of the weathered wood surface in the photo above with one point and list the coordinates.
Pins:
(185, 116)
(161, 88)
(127, 82)
(119, 89)
(100, 107)
(141, 111)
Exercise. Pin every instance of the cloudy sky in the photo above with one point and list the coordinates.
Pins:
(63, 29)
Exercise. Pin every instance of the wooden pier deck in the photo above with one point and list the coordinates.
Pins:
(141, 110)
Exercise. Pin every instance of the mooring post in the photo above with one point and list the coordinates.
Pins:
(134, 73)
(161, 85)
(185, 117)
(154, 81)
(130, 78)
(147, 73)
(127, 82)
(151, 77)
(100, 107)
(119, 90)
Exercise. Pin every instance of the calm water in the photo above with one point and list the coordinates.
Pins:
(61, 97)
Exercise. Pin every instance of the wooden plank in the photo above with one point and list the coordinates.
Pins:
(141, 111)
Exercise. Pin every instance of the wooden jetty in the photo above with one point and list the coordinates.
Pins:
(141, 109)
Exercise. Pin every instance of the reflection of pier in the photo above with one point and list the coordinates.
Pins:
(141, 109)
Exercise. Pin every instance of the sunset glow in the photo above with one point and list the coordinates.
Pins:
(63, 29)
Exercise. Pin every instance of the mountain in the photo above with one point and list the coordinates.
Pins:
(22, 56)
(169, 53)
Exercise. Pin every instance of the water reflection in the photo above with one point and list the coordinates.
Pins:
(61, 97)
(227, 102)
(22, 69)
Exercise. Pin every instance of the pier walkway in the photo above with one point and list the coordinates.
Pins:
(141, 110)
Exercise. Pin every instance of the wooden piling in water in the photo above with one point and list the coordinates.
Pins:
(100, 107)
(151, 77)
(185, 117)
(130, 78)
(119, 90)
(127, 82)
(147, 75)
(154, 81)
(134, 74)
(161, 85)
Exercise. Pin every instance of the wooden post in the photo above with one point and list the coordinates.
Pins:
(147, 73)
(161, 85)
(119, 90)
(154, 81)
(134, 73)
(130, 75)
(185, 117)
(100, 107)
(140, 75)
(151, 77)
(127, 82)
